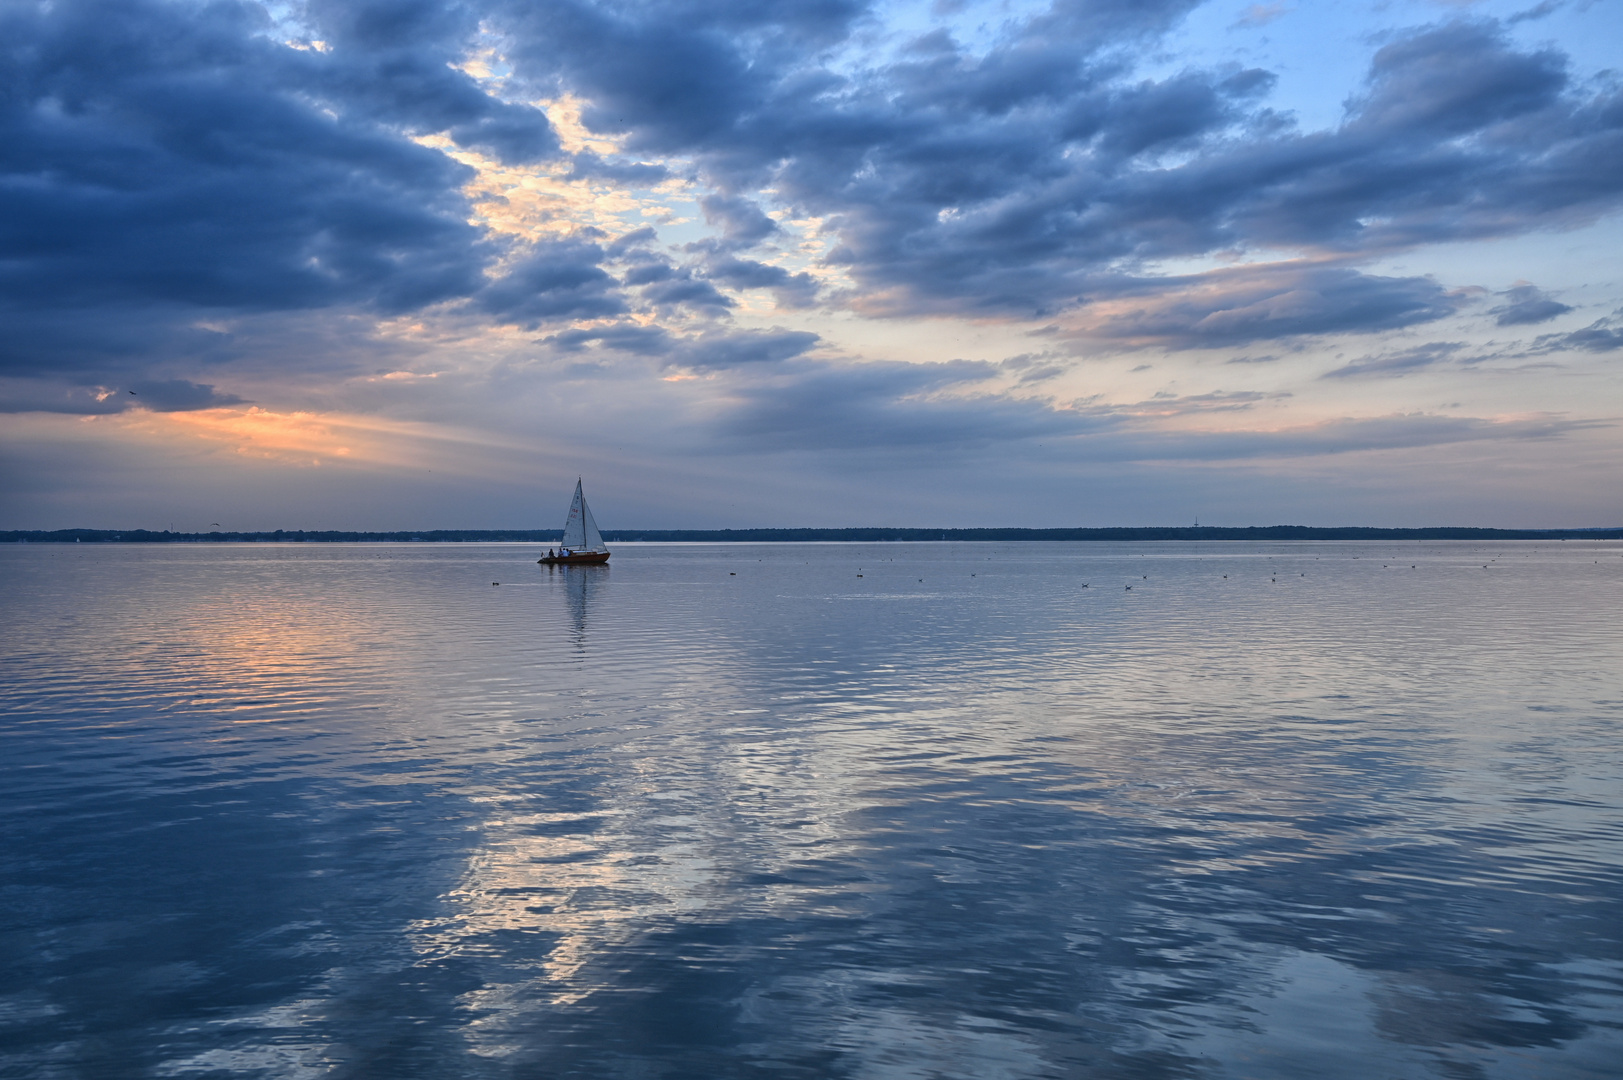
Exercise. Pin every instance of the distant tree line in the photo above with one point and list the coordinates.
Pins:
(868, 535)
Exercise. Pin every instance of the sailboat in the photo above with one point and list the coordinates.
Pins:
(583, 544)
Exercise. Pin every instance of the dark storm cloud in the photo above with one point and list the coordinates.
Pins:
(633, 338)
(715, 262)
(681, 288)
(178, 395)
(589, 166)
(1231, 307)
(662, 284)
(555, 280)
(730, 349)
(393, 61)
(1011, 180)
(1452, 81)
(747, 273)
(789, 290)
(155, 395)
(668, 80)
(742, 222)
(713, 350)
(154, 152)
(1527, 304)
(163, 164)
(646, 273)
(109, 338)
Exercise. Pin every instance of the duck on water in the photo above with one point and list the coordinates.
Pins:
(582, 543)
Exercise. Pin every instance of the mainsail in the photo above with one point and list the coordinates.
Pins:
(580, 531)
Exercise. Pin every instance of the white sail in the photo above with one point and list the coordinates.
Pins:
(594, 539)
(580, 531)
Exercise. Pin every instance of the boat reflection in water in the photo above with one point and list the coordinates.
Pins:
(582, 543)
(580, 584)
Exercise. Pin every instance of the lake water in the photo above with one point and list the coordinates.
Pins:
(884, 811)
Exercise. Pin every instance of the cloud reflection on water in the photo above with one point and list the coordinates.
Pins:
(707, 814)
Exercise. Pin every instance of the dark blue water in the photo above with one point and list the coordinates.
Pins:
(1309, 810)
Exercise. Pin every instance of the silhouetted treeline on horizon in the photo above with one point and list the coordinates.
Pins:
(868, 535)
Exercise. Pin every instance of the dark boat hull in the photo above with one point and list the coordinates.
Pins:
(586, 558)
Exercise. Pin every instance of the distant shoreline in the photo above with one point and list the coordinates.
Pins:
(756, 536)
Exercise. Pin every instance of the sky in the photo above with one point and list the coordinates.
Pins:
(391, 264)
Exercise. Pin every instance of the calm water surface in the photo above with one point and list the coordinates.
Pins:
(881, 811)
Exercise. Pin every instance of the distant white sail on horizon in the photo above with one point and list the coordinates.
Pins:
(580, 531)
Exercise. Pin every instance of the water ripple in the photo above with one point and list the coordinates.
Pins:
(353, 810)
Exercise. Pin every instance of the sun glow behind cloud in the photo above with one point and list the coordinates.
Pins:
(538, 201)
(313, 440)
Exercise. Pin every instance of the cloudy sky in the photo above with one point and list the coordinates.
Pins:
(403, 264)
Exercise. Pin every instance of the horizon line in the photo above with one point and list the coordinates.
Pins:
(858, 534)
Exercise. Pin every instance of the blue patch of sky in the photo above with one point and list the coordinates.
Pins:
(1320, 52)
